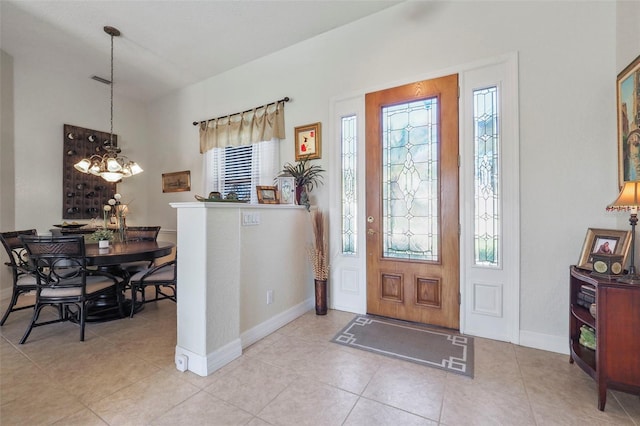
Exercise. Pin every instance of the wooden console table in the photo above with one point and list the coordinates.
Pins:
(615, 363)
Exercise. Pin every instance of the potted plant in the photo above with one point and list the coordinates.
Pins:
(102, 236)
(307, 177)
(318, 252)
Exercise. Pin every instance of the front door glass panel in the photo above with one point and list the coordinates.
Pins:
(410, 174)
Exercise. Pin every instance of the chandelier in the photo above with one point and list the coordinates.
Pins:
(111, 166)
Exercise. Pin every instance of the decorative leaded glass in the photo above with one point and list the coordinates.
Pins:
(410, 172)
(349, 205)
(486, 185)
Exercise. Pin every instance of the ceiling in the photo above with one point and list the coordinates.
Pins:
(165, 45)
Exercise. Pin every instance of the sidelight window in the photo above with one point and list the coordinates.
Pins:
(487, 215)
(349, 177)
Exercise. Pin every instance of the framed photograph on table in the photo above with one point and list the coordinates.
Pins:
(604, 241)
(267, 194)
(308, 141)
(628, 101)
(176, 182)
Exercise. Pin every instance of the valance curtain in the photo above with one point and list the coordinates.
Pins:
(259, 124)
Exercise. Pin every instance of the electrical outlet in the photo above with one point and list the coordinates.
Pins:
(269, 297)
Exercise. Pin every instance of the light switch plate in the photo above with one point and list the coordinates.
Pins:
(250, 218)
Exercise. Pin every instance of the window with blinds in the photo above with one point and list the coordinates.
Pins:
(237, 176)
(239, 169)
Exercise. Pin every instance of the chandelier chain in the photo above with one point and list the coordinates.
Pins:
(111, 112)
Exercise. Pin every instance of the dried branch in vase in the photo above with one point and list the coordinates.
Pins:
(318, 252)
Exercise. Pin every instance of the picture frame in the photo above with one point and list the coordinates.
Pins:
(628, 105)
(176, 181)
(308, 141)
(607, 241)
(267, 194)
(286, 189)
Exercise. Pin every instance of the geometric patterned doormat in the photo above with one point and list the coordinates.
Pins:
(433, 347)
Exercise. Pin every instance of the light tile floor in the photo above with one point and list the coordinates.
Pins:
(124, 374)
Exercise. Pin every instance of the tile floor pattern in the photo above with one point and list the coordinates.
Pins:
(124, 374)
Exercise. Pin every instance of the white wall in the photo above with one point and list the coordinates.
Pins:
(567, 66)
(273, 257)
(7, 165)
(628, 36)
(225, 269)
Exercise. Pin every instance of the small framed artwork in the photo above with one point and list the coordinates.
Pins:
(267, 194)
(287, 189)
(308, 141)
(176, 182)
(604, 241)
(628, 100)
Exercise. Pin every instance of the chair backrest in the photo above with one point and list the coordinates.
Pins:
(60, 261)
(15, 248)
(142, 233)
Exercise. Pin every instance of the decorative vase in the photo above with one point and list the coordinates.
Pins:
(103, 244)
(321, 297)
(299, 191)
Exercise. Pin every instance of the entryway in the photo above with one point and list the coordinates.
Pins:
(460, 265)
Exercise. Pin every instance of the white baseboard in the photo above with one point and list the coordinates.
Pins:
(195, 363)
(546, 342)
(262, 330)
(206, 365)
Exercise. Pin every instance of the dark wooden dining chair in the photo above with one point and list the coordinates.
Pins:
(163, 277)
(24, 281)
(140, 233)
(63, 280)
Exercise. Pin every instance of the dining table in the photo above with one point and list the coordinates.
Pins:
(124, 252)
(111, 259)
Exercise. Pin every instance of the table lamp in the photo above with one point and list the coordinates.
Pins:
(629, 200)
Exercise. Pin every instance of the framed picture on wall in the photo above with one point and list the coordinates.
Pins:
(308, 141)
(604, 241)
(176, 182)
(628, 100)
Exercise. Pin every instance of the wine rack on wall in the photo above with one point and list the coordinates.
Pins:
(83, 195)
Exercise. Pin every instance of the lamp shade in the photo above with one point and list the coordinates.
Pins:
(629, 197)
(83, 165)
(135, 168)
(111, 176)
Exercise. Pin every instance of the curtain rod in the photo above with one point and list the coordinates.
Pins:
(285, 99)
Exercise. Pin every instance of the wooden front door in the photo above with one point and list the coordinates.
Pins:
(412, 202)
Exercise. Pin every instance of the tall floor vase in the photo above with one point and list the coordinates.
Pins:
(321, 297)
